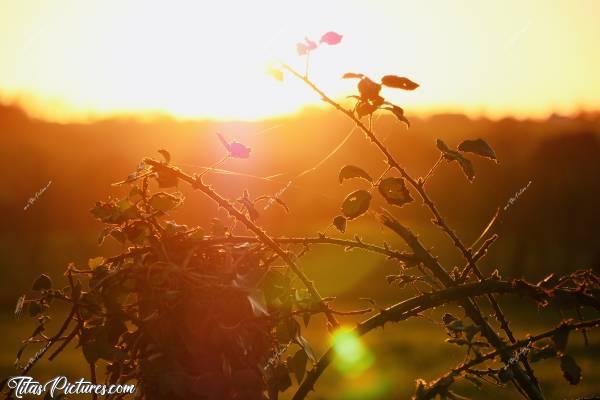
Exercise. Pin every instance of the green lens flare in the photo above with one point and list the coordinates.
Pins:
(352, 356)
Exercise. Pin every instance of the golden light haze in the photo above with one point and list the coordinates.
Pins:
(68, 59)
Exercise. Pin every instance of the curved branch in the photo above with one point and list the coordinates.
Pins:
(419, 186)
(418, 304)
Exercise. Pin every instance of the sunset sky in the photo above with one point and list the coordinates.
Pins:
(68, 59)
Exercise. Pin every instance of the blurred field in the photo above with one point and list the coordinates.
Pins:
(552, 228)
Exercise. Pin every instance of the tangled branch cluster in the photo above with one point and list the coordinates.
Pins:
(192, 313)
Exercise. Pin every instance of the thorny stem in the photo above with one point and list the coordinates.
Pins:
(567, 325)
(407, 258)
(419, 187)
(418, 304)
(259, 232)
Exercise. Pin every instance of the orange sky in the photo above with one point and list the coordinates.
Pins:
(67, 59)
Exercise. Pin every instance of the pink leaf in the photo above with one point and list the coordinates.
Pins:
(235, 149)
(238, 150)
(310, 44)
(331, 38)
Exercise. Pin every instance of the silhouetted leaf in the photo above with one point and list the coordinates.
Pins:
(166, 179)
(351, 171)
(537, 354)
(560, 340)
(399, 113)
(368, 89)
(331, 38)
(399, 82)
(43, 282)
(166, 155)
(453, 155)
(34, 308)
(340, 223)
(356, 204)
(352, 75)
(571, 371)
(479, 147)
(394, 191)
(364, 108)
(298, 364)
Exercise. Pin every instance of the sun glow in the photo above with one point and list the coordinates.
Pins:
(66, 59)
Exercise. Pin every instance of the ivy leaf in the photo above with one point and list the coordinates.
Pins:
(331, 38)
(166, 155)
(164, 202)
(352, 75)
(297, 364)
(340, 223)
(479, 147)
(399, 113)
(351, 171)
(399, 82)
(43, 282)
(95, 262)
(356, 204)
(394, 191)
(453, 155)
(571, 371)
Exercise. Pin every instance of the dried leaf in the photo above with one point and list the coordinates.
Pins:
(399, 82)
(479, 147)
(352, 75)
(394, 191)
(356, 204)
(352, 171)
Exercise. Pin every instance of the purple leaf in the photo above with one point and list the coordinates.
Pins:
(238, 150)
(310, 44)
(331, 38)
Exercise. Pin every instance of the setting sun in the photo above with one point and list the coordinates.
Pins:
(69, 59)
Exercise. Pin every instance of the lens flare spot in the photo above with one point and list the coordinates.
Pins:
(352, 356)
